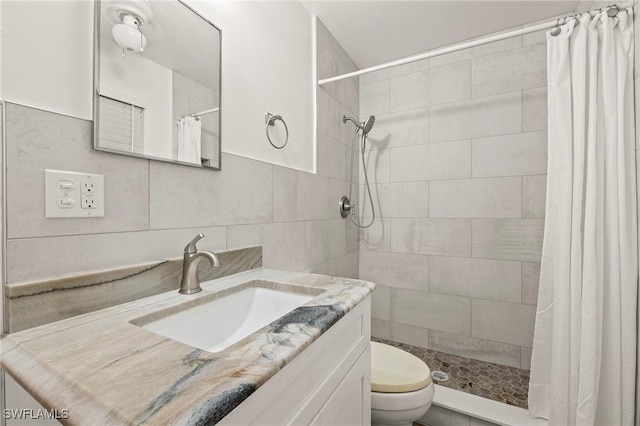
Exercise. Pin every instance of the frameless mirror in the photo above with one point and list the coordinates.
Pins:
(157, 82)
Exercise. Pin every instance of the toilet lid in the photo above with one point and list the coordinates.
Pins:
(394, 370)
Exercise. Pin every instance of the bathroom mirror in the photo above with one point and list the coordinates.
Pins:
(157, 82)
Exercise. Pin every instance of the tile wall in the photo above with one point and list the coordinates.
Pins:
(458, 161)
(153, 208)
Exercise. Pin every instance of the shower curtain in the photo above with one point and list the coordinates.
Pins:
(584, 350)
(189, 144)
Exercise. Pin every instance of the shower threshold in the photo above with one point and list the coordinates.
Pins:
(501, 383)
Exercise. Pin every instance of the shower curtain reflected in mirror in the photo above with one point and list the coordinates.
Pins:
(584, 352)
(189, 140)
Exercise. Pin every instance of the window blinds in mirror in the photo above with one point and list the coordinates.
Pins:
(121, 126)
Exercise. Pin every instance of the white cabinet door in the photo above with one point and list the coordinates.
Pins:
(350, 403)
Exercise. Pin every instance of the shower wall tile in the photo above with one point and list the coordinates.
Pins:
(380, 328)
(75, 254)
(397, 270)
(534, 193)
(431, 162)
(456, 129)
(325, 240)
(510, 323)
(444, 237)
(378, 163)
(510, 155)
(487, 116)
(187, 196)
(332, 157)
(352, 96)
(487, 279)
(284, 246)
(389, 73)
(409, 334)
(525, 358)
(478, 51)
(534, 109)
(376, 237)
(431, 87)
(517, 69)
(476, 198)
(508, 239)
(471, 347)
(37, 140)
(400, 129)
(430, 310)
(381, 302)
(530, 282)
(299, 195)
(403, 199)
(352, 232)
(375, 98)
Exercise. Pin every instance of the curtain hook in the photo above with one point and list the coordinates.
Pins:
(612, 11)
(556, 30)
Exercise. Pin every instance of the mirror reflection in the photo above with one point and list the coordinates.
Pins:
(157, 82)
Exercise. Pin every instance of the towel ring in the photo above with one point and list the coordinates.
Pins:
(270, 120)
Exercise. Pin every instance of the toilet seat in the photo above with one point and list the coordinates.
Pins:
(396, 371)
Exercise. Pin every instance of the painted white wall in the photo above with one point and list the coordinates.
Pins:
(267, 66)
(47, 49)
(137, 80)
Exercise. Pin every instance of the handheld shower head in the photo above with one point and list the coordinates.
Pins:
(364, 126)
(368, 125)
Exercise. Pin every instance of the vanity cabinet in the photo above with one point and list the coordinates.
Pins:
(329, 383)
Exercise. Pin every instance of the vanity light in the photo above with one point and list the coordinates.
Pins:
(128, 34)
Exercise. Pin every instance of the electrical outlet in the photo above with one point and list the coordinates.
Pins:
(72, 194)
(88, 203)
(88, 188)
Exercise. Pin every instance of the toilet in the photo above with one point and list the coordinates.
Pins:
(401, 386)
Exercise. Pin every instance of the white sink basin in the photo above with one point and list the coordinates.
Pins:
(217, 321)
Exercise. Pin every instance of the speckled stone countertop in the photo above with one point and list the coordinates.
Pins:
(105, 370)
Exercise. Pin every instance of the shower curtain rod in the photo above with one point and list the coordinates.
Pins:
(455, 48)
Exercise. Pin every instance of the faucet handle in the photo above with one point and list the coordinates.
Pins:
(191, 247)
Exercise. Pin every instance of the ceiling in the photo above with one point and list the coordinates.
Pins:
(373, 31)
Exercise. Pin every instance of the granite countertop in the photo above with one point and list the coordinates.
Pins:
(105, 370)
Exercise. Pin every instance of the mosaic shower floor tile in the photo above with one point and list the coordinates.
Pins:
(500, 383)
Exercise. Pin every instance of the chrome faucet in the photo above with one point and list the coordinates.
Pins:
(190, 283)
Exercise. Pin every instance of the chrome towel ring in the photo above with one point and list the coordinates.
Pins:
(270, 120)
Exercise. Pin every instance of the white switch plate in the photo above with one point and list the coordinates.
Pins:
(72, 194)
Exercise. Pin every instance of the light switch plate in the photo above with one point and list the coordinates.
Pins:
(73, 194)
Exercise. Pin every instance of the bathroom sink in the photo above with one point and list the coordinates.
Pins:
(216, 321)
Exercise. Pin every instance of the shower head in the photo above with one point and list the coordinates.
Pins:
(368, 125)
(364, 126)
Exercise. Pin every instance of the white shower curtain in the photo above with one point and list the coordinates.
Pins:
(189, 135)
(584, 350)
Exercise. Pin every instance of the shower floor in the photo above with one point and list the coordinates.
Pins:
(500, 383)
